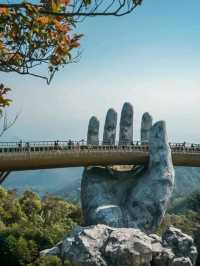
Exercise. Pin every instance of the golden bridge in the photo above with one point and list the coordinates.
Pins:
(60, 154)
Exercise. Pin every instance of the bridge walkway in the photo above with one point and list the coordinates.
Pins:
(60, 154)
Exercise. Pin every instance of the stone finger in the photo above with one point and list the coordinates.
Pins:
(93, 131)
(146, 125)
(126, 125)
(109, 134)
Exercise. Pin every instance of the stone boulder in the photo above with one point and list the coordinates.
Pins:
(101, 245)
(181, 244)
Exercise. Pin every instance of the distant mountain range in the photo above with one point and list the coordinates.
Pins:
(66, 182)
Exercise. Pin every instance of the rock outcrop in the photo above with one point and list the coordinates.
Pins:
(137, 198)
(101, 245)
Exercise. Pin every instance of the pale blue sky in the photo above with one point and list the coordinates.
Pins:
(150, 58)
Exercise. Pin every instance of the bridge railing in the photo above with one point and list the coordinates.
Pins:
(73, 146)
(44, 147)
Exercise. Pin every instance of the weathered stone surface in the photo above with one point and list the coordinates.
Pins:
(161, 256)
(100, 197)
(147, 203)
(146, 125)
(101, 245)
(155, 238)
(181, 244)
(93, 131)
(54, 251)
(128, 247)
(85, 244)
(110, 127)
(182, 262)
(126, 125)
(136, 198)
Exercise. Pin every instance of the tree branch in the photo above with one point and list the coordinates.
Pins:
(6, 125)
(131, 5)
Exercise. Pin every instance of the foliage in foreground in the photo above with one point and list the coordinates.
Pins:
(29, 225)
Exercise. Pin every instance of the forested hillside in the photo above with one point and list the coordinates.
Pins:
(29, 225)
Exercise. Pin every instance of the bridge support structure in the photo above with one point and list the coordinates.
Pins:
(3, 176)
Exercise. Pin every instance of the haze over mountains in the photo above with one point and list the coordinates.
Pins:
(66, 182)
(46, 181)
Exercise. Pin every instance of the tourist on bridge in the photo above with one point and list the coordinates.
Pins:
(27, 146)
(77, 145)
(70, 144)
(56, 144)
(193, 147)
(20, 144)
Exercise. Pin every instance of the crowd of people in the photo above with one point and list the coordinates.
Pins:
(63, 145)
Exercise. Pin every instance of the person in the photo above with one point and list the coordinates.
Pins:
(137, 145)
(177, 147)
(69, 144)
(192, 146)
(77, 145)
(27, 146)
(83, 144)
(20, 144)
(56, 144)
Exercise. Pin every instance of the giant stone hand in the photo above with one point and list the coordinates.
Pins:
(137, 197)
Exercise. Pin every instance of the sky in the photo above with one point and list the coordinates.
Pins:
(150, 58)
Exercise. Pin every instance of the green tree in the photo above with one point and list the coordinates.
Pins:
(31, 204)
(10, 209)
(49, 261)
(8, 247)
(29, 224)
(55, 209)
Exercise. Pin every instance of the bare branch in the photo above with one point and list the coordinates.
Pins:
(7, 124)
(78, 8)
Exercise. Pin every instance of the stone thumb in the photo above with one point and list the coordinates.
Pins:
(159, 149)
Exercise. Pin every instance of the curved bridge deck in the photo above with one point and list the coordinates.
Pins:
(45, 155)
